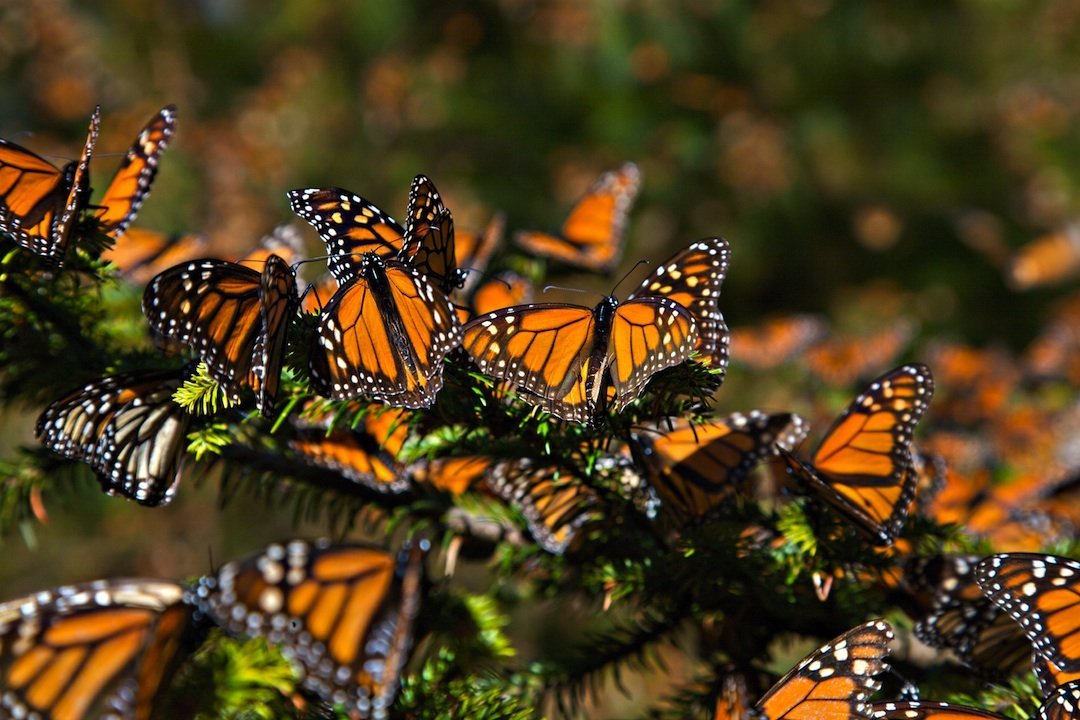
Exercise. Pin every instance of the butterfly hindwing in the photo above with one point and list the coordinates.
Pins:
(925, 710)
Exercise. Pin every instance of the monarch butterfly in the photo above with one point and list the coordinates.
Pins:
(366, 455)
(386, 330)
(1042, 593)
(558, 355)
(128, 429)
(962, 619)
(99, 649)
(235, 318)
(928, 710)
(473, 251)
(454, 475)
(556, 506)
(839, 361)
(38, 201)
(692, 277)
(284, 241)
(732, 698)
(863, 466)
(502, 291)
(131, 183)
(343, 613)
(591, 237)
(696, 467)
(141, 254)
(1063, 703)
(775, 341)
(835, 680)
(429, 236)
(1051, 677)
(1047, 260)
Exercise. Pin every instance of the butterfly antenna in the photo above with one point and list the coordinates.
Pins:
(569, 289)
(629, 272)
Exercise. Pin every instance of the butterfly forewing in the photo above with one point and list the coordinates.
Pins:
(356, 455)
(864, 465)
(592, 235)
(835, 680)
(127, 428)
(1042, 593)
(131, 184)
(555, 505)
(693, 278)
(647, 335)
(343, 612)
(85, 651)
(350, 226)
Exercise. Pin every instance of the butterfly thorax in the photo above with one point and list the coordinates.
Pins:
(597, 357)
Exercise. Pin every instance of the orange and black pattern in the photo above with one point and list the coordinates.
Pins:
(559, 356)
(101, 649)
(834, 681)
(692, 278)
(592, 236)
(343, 613)
(141, 254)
(1042, 593)
(864, 466)
(429, 236)
(695, 468)
(928, 710)
(38, 201)
(235, 317)
(367, 454)
(128, 429)
(473, 251)
(502, 291)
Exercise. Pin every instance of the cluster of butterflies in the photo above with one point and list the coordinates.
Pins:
(342, 613)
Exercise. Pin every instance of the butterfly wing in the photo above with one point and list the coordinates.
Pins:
(76, 651)
(591, 237)
(692, 278)
(215, 307)
(920, 710)
(140, 254)
(775, 341)
(555, 505)
(344, 613)
(131, 183)
(502, 291)
(384, 335)
(350, 226)
(38, 202)
(835, 680)
(453, 475)
(1042, 593)
(366, 455)
(696, 467)
(473, 251)
(543, 350)
(647, 335)
(127, 428)
(278, 304)
(863, 466)
(732, 698)
(1063, 703)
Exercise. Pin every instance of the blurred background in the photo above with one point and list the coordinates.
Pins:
(871, 162)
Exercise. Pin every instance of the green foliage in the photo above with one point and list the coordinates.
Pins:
(200, 394)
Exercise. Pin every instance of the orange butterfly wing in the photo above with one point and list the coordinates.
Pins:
(385, 335)
(835, 680)
(80, 650)
(864, 466)
(591, 237)
(502, 291)
(131, 183)
(473, 251)
(353, 602)
(648, 334)
(140, 254)
(775, 341)
(38, 202)
(920, 710)
(556, 506)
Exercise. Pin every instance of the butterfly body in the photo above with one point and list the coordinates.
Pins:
(560, 356)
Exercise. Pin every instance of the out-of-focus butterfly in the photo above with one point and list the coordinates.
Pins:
(1047, 260)
(839, 361)
(694, 468)
(775, 341)
(131, 184)
(504, 290)
(127, 428)
(692, 277)
(454, 475)
(834, 681)
(100, 649)
(284, 241)
(141, 254)
(388, 327)
(732, 697)
(560, 357)
(863, 466)
(555, 504)
(236, 318)
(928, 710)
(1042, 593)
(959, 617)
(473, 251)
(39, 202)
(592, 235)
(344, 613)
(977, 382)
(366, 455)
